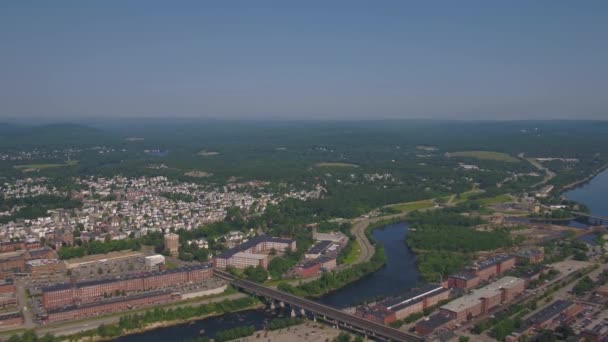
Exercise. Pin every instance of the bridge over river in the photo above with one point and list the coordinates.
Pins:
(599, 218)
(334, 316)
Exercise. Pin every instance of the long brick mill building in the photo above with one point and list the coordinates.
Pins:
(481, 271)
(478, 302)
(75, 293)
(109, 306)
(392, 309)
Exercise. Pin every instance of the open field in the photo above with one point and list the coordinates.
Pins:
(306, 332)
(411, 206)
(335, 165)
(353, 255)
(465, 196)
(504, 198)
(485, 155)
(45, 166)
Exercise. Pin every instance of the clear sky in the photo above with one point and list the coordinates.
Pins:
(304, 59)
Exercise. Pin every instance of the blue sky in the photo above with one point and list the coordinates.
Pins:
(303, 60)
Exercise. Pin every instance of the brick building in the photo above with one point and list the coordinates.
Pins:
(493, 266)
(253, 252)
(44, 267)
(396, 308)
(113, 305)
(60, 295)
(11, 318)
(482, 300)
(463, 280)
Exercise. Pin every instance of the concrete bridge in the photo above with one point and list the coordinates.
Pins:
(338, 318)
(601, 219)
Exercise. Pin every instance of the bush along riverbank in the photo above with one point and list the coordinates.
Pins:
(331, 281)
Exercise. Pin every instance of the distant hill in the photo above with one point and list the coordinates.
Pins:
(12, 135)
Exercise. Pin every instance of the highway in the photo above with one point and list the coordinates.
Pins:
(374, 330)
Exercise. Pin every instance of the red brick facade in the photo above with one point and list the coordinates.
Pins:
(85, 292)
(95, 309)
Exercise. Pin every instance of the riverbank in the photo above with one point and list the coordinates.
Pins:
(306, 332)
(159, 325)
(573, 185)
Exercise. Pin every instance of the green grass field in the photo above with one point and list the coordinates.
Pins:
(45, 166)
(465, 196)
(335, 165)
(485, 155)
(353, 255)
(504, 198)
(411, 206)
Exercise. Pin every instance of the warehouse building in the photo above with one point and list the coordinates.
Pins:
(315, 266)
(60, 295)
(560, 310)
(318, 249)
(463, 280)
(71, 312)
(11, 318)
(44, 267)
(482, 300)
(494, 266)
(396, 308)
(253, 252)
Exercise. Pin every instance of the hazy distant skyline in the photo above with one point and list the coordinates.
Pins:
(62, 60)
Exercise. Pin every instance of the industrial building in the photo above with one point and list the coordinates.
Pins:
(315, 266)
(494, 266)
(530, 256)
(482, 300)
(560, 310)
(481, 271)
(11, 318)
(434, 322)
(392, 309)
(109, 306)
(60, 295)
(44, 267)
(318, 249)
(253, 252)
(463, 280)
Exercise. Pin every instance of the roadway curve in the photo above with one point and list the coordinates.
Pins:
(358, 230)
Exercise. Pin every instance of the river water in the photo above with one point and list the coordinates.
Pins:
(593, 194)
(397, 276)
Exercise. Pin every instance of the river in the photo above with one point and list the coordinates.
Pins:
(397, 276)
(592, 194)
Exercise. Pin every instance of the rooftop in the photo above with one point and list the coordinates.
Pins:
(435, 321)
(493, 261)
(413, 296)
(549, 313)
(250, 244)
(248, 255)
(319, 247)
(64, 286)
(487, 291)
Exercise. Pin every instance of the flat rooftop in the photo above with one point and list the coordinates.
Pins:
(435, 321)
(549, 313)
(490, 290)
(412, 296)
(319, 247)
(250, 255)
